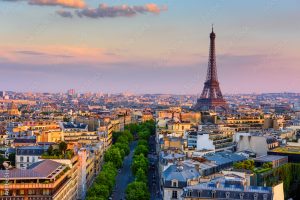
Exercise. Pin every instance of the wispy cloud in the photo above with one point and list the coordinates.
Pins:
(39, 53)
(62, 3)
(105, 11)
(64, 13)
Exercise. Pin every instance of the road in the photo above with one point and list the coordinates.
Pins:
(153, 179)
(125, 176)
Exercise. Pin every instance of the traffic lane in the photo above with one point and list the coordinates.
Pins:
(125, 175)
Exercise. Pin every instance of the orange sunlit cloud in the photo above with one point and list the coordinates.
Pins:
(64, 3)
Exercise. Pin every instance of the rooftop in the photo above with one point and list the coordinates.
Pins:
(45, 169)
(289, 150)
(269, 158)
(229, 183)
(180, 172)
(224, 157)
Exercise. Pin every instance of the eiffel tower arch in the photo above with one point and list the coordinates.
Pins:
(211, 96)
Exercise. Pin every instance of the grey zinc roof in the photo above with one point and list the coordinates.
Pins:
(269, 158)
(180, 173)
(224, 157)
(30, 150)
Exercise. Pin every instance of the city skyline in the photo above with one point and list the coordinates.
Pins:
(148, 47)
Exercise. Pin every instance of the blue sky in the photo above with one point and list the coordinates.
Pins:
(161, 48)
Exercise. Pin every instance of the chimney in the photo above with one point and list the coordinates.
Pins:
(197, 167)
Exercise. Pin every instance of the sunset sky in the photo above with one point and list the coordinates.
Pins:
(146, 46)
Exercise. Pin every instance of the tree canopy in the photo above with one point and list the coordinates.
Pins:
(137, 191)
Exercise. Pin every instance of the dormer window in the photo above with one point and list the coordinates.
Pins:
(199, 193)
(174, 183)
(241, 195)
(255, 196)
(227, 195)
(213, 194)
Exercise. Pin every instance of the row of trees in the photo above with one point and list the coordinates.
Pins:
(113, 157)
(58, 151)
(249, 165)
(138, 189)
(289, 174)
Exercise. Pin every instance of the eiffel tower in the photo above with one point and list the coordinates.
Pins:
(211, 96)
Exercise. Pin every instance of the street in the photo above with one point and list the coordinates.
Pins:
(125, 175)
(153, 178)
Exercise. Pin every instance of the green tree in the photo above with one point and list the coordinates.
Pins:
(12, 159)
(113, 155)
(141, 176)
(139, 162)
(145, 134)
(133, 128)
(62, 147)
(124, 147)
(141, 149)
(143, 142)
(128, 134)
(123, 140)
(267, 165)
(50, 150)
(137, 191)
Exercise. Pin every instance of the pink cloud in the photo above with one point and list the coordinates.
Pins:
(104, 11)
(56, 54)
(63, 3)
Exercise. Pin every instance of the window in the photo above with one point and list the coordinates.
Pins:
(27, 158)
(21, 158)
(199, 193)
(213, 194)
(265, 196)
(255, 196)
(46, 192)
(241, 195)
(31, 192)
(227, 195)
(174, 194)
(174, 183)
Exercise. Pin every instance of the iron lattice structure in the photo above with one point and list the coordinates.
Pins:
(211, 96)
